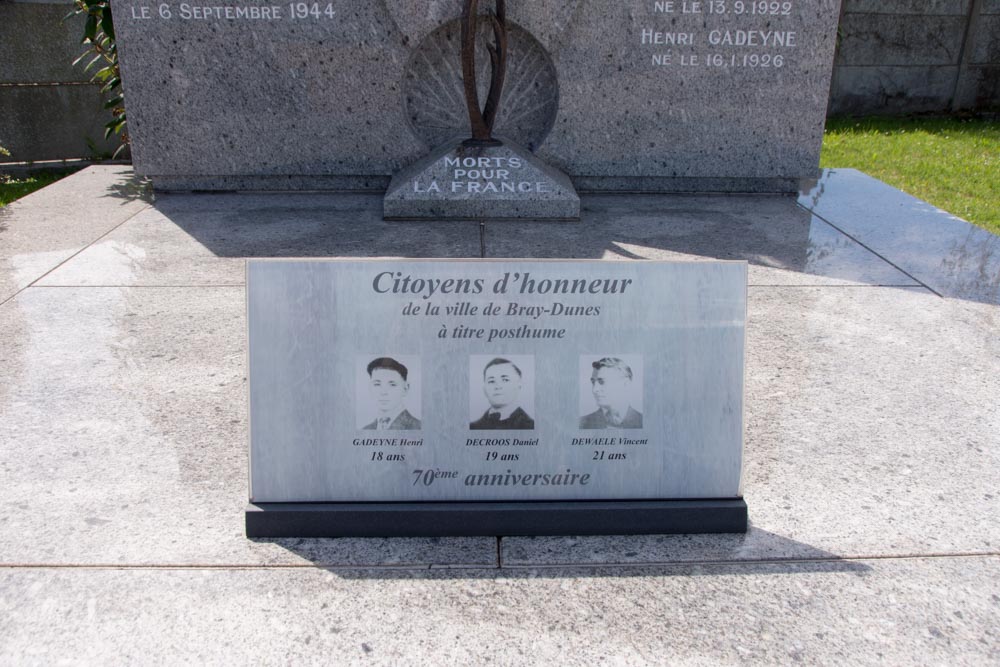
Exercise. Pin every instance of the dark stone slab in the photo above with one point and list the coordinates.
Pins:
(477, 519)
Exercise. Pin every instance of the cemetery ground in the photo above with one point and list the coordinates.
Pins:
(871, 464)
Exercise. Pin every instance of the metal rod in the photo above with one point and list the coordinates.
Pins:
(482, 120)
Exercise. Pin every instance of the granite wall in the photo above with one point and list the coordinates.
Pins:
(643, 95)
(48, 108)
(904, 56)
(894, 56)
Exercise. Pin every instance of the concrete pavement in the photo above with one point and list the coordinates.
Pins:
(872, 445)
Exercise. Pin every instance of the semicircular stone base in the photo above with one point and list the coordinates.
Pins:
(435, 95)
(502, 182)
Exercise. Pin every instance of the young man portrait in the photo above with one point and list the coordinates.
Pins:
(611, 387)
(388, 387)
(502, 385)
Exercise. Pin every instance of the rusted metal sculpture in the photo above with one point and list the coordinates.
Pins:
(483, 120)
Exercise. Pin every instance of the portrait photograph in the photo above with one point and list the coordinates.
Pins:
(388, 392)
(501, 392)
(611, 391)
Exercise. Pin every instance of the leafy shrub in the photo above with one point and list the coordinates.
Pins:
(99, 38)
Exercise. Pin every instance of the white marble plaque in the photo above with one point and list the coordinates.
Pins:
(495, 380)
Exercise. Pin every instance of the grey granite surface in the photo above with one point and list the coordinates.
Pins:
(505, 182)
(614, 91)
(912, 612)
(296, 184)
(683, 184)
(942, 251)
(784, 244)
(41, 231)
(432, 83)
(204, 239)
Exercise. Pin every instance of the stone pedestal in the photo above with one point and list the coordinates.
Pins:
(498, 182)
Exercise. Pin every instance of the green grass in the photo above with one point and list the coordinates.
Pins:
(15, 187)
(952, 163)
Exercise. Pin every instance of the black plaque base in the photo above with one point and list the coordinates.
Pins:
(610, 517)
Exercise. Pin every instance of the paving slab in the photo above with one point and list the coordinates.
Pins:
(124, 437)
(925, 611)
(871, 430)
(203, 239)
(944, 252)
(44, 229)
(784, 244)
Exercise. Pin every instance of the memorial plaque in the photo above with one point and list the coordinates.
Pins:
(658, 95)
(417, 381)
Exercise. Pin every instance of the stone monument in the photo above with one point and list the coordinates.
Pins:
(482, 176)
(635, 96)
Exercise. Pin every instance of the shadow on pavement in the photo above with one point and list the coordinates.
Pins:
(771, 232)
(614, 555)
